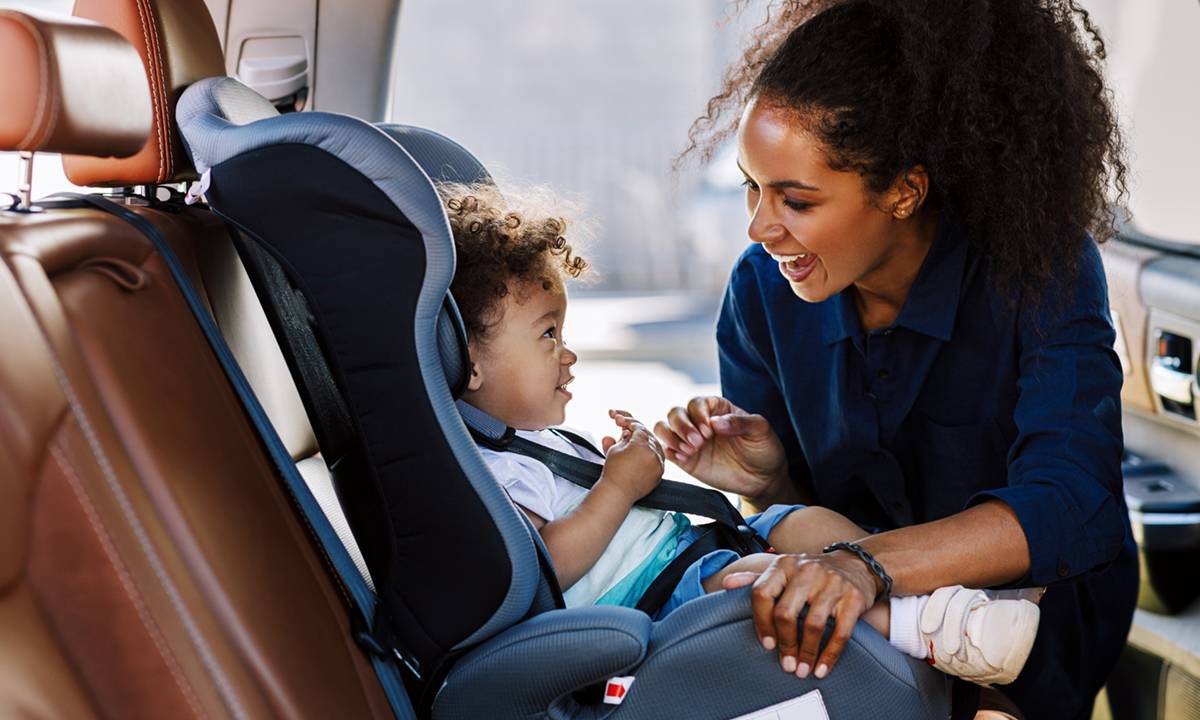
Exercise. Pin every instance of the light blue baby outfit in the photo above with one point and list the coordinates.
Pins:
(647, 541)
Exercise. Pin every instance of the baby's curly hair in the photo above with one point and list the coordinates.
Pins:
(504, 241)
(1003, 102)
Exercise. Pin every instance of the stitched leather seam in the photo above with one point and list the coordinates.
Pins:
(189, 624)
(154, 89)
(38, 129)
(127, 583)
(165, 115)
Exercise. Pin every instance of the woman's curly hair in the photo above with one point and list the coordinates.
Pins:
(503, 242)
(1002, 101)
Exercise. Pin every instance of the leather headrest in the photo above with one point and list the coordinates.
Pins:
(69, 86)
(179, 45)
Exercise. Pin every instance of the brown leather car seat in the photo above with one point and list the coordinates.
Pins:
(150, 563)
(179, 45)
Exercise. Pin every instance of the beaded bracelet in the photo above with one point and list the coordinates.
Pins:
(871, 562)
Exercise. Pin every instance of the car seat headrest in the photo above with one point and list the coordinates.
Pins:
(442, 159)
(69, 86)
(178, 45)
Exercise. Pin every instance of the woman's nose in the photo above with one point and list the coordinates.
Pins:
(763, 228)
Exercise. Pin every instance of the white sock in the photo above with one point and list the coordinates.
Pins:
(906, 618)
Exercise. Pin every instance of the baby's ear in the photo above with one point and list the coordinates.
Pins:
(476, 380)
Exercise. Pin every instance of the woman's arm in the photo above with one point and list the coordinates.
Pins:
(979, 547)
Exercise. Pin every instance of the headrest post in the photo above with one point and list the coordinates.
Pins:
(25, 183)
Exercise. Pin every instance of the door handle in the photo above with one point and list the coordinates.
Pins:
(1172, 384)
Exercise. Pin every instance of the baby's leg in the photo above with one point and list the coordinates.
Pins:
(811, 529)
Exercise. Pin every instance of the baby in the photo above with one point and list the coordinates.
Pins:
(513, 259)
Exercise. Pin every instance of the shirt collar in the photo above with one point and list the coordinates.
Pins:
(932, 304)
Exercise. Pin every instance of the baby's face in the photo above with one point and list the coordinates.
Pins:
(524, 366)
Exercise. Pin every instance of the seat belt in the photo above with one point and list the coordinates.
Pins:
(729, 531)
(670, 495)
(365, 603)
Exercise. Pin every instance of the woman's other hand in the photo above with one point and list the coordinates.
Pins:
(725, 447)
(837, 585)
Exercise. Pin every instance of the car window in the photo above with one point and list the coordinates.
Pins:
(1153, 66)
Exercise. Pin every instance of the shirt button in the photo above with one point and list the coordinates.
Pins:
(887, 331)
(1063, 569)
(883, 373)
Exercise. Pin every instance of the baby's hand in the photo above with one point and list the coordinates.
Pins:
(635, 462)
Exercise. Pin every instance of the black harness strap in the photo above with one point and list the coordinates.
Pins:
(659, 591)
(729, 531)
(670, 495)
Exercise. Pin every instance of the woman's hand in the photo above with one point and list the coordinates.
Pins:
(725, 447)
(837, 585)
(635, 461)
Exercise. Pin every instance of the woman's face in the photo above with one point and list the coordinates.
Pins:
(819, 223)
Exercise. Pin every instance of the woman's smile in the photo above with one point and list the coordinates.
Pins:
(796, 268)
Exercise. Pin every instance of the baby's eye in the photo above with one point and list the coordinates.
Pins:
(551, 332)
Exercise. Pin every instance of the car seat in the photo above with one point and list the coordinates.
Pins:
(351, 254)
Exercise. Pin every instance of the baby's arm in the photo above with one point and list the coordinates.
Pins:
(633, 467)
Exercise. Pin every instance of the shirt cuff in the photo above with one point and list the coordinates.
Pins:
(1050, 531)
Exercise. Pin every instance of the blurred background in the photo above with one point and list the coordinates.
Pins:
(594, 99)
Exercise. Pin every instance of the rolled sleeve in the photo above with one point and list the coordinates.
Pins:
(1064, 468)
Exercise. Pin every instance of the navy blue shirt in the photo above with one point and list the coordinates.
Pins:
(966, 397)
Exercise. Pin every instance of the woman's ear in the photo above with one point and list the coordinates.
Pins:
(908, 193)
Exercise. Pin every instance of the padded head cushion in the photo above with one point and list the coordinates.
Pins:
(69, 86)
(178, 45)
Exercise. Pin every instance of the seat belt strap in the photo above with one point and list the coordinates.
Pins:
(660, 589)
(363, 599)
(670, 496)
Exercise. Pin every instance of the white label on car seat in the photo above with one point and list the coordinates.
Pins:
(616, 689)
(808, 706)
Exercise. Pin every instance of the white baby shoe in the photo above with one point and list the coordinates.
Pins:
(976, 637)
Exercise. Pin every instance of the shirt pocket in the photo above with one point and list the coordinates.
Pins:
(956, 461)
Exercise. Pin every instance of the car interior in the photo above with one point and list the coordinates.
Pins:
(185, 528)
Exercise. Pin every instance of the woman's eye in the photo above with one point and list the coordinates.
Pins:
(798, 205)
(750, 185)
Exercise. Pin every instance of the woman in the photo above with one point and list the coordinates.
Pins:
(918, 337)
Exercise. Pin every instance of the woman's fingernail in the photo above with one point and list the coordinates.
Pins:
(789, 664)
(695, 439)
(822, 671)
(802, 671)
(768, 643)
(706, 431)
(686, 449)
